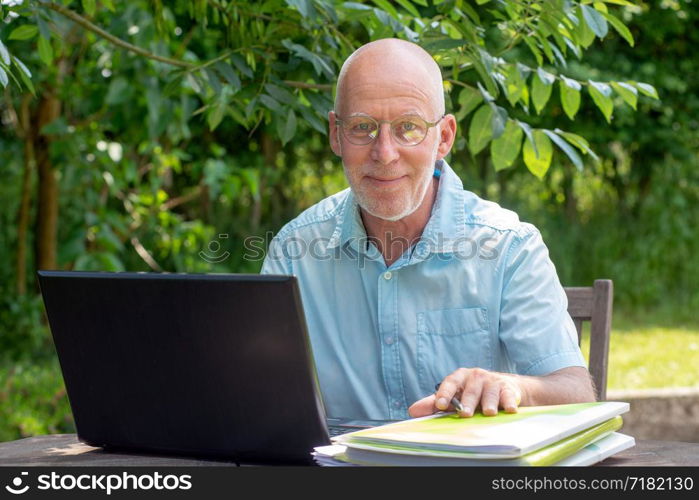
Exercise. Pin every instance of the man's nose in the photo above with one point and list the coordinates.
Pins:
(384, 148)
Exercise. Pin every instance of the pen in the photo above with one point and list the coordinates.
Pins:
(454, 401)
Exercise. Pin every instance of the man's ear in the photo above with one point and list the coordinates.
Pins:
(334, 134)
(447, 134)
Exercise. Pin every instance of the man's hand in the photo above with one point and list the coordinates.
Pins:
(493, 391)
(473, 387)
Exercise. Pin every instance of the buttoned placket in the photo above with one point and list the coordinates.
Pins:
(389, 339)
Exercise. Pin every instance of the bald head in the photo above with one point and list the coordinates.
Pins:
(395, 61)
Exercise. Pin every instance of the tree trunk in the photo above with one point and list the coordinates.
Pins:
(47, 201)
(24, 206)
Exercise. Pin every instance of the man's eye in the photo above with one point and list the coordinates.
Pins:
(407, 126)
(362, 127)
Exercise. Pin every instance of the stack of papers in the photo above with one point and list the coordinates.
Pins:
(573, 434)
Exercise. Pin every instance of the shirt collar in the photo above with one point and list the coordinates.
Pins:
(442, 232)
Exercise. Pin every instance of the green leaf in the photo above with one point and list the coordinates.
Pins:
(109, 4)
(118, 91)
(280, 94)
(620, 28)
(387, 7)
(24, 32)
(214, 80)
(193, 82)
(647, 89)
(409, 7)
(541, 92)
(45, 51)
(545, 76)
(288, 127)
(4, 80)
(356, 6)
(312, 119)
(109, 262)
(600, 6)
(436, 44)
(534, 50)
(89, 6)
(43, 26)
(215, 114)
(242, 67)
(271, 103)
(486, 95)
(513, 85)
(601, 95)
(505, 149)
(469, 98)
(595, 20)
(499, 120)
(305, 7)
(25, 74)
(229, 74)
(319, 64)
(538, 164)
(4, 54)
(583, 34)
(481, 129)
(530, 135)
(579, 142)
(570, 96)
(566, 148)
(628, 93)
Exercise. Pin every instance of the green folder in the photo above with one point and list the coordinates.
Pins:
(548, 455)
(504, 436)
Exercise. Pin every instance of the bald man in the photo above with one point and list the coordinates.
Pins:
(408, 281)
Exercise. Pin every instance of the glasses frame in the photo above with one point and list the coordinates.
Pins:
(339, 122)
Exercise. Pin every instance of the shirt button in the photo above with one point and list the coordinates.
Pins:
(387, 275)
(396, 404)
(389, 340)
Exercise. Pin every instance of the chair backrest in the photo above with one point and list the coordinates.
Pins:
(594, 304)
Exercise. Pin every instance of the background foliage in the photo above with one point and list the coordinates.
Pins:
(157, 136)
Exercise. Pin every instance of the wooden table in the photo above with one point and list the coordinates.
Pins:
(66, 450)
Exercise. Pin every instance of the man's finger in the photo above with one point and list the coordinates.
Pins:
(473, 388)
(449, 387)
(490, 398)
(423, 407)
(509, 399)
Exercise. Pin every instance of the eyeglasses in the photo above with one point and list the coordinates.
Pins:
(407, 130)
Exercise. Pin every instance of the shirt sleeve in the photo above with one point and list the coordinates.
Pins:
(536, 330)
(275, 261)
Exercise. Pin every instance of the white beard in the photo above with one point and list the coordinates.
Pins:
(409, 204)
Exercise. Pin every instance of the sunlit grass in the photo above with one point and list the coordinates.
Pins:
(645, 353)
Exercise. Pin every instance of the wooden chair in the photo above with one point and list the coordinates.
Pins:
(594, 304)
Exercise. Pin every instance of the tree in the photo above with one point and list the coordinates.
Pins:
(263, 71)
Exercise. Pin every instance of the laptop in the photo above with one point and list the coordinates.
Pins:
(210, 365)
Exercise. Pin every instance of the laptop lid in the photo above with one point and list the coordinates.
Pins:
(207, 365)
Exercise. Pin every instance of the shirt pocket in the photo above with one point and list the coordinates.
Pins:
(449, 339)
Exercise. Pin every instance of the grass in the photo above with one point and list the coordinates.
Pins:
(33, 400)
(652, 350)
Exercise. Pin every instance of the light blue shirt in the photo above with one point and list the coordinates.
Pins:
(477, 290)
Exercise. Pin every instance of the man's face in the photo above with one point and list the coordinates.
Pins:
(389, 180)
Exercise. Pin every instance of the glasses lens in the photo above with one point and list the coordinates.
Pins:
(409, 130)
(360, 129)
